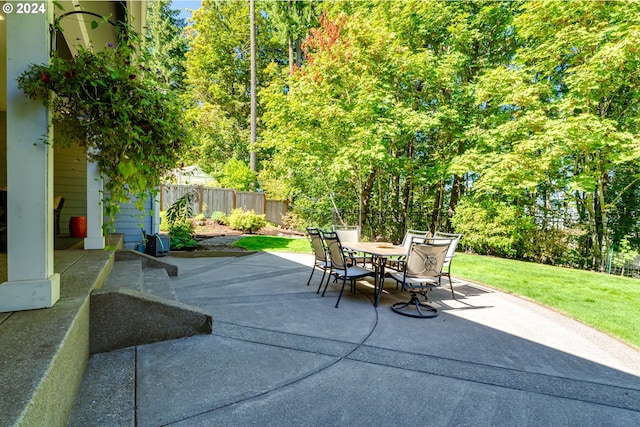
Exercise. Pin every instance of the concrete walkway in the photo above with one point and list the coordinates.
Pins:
(282, 355)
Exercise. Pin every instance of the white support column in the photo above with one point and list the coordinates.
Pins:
(155, 220)
(31, 281)
(95, 237)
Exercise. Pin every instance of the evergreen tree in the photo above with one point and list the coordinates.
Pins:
(165, 42)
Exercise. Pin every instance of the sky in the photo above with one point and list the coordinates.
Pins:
(182, 5)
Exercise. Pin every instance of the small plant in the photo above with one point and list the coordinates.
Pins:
(246, 221)
(182, 236)
(180, 227)
(219, 218)
(292, 221)
(200, 219)
(112, 104)
(182, 209)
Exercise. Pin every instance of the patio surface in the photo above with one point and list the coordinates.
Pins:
(282, 355)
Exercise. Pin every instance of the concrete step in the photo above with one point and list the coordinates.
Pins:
(125, 274)
(44, 351)
(155, 281)
(106, 396)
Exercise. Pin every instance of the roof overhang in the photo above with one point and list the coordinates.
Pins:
(76, 19)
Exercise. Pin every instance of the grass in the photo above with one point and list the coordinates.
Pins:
(272, 243)
(608, 303)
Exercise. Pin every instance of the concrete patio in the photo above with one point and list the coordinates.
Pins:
(282, 355)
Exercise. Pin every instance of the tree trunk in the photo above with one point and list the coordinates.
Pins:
(252, 153)
(291, 58)
(437, 206)
(453, 201)
(366, 196)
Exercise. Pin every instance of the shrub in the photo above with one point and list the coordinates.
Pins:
(246, 221)
(182, 235)
(492, 227)
(219, 218)
(200, 219)
(182, 209)
(180, 227)
(292, 221)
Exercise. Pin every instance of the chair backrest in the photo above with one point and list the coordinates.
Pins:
(455, 238)
(334, 250)
(426, 259)
(316, 244)
(347, 233)
(417, 236)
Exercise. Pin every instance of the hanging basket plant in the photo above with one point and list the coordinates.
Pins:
(119, 110)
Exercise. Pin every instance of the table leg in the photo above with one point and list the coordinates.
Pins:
(381, 261)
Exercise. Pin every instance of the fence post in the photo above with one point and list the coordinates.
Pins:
(264, 204)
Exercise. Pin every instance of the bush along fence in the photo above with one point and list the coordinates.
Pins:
(224, 200)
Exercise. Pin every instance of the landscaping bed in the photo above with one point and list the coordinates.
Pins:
(212, 236)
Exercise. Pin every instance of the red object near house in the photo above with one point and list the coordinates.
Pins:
(78, 226)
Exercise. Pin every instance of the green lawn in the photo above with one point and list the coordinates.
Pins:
(608, 303)
(271, 243)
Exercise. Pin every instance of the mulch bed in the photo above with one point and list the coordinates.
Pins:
(213, 237)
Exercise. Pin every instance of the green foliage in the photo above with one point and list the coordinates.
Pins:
(182, 209)
(219, 80)
(293, 221)
(164, 42)
(246, 221)
(113, 105)
(182, 235)
(408, 112)
(178, 218)
(238, 175)
(273, 244)
(219, 218)
(164, 224)
(200, 219)
(624, 254)
(492, 228)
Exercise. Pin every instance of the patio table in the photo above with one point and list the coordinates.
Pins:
(380, 252)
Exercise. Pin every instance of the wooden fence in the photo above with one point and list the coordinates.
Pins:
(224, 200)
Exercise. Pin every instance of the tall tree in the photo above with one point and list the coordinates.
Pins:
(219, 80)
(165, 42)
(292, 20)
(564, 118)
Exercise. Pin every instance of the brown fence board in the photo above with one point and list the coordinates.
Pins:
(224, 200)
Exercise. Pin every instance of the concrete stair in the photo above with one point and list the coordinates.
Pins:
(137, 305)
(44, 352)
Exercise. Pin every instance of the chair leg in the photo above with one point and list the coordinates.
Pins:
(451, 285)
(344, 282)
(326, 284)
(311, 275)
(418, 309)
(324, 273)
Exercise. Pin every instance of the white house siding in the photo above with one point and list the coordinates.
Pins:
(70, 182)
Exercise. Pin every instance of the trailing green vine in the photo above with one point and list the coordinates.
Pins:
(119, 110)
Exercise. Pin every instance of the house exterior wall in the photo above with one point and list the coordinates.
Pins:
(130, 224)
(3, 149)
(70, 182)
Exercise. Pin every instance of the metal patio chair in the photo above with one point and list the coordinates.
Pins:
(321, 261)
(451, 252)
(421, 272)
(341, 268)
